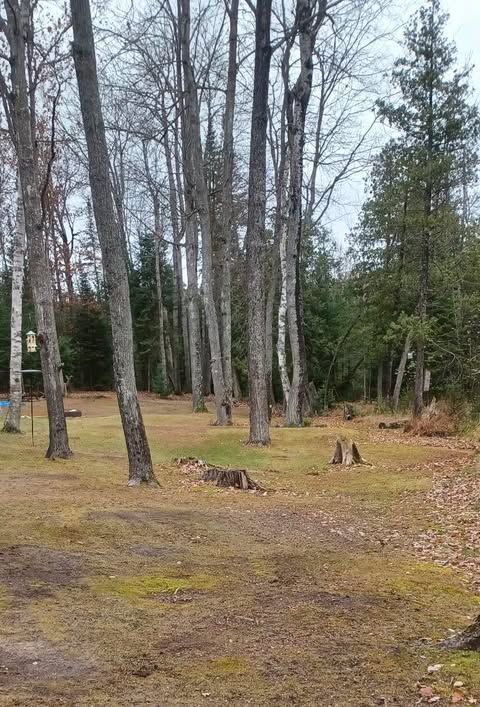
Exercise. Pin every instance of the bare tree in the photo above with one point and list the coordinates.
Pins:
(12, 420)
(116, 278)
(19, 103)
(401, 371)
(255, 238)
(194, 174)
(191, 249)
(309, 18)
(157, 240)
(224, 252)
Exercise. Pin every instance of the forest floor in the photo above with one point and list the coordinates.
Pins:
(333, 588)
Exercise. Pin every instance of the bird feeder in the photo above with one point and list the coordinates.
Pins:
(31, 342)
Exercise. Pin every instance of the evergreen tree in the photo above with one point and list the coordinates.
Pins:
(436, 122)
(86, 343)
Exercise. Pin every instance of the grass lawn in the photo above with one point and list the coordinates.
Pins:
(191, 595)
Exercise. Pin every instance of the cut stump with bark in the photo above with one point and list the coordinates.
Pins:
(228, 478)
(467, 640)
(235, 478)
(347, 453)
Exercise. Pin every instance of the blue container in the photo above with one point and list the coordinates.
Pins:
(4, 403)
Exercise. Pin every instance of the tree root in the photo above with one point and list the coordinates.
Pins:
(468, 639)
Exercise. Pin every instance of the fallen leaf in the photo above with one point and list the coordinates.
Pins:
(458, 683)
(426, 691)
(457, 697)
(434, 668)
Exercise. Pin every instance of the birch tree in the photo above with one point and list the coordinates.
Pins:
(12, 420)
(19, 103)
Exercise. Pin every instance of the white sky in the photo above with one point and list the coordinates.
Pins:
(464, 30)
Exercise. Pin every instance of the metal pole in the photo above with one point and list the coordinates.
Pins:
(31, 405)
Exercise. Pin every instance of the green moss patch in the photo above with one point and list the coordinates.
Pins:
(144, 586)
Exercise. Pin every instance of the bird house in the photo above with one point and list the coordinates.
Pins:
(31, 342)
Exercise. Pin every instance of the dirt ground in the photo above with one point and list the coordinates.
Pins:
(333, 588)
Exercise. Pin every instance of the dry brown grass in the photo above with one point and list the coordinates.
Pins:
(441, 424)
(189, 595)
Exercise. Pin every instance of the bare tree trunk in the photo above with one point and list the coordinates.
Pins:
(401, 372)
(93, 246)
(170, 365)
(270, 302)
(224, 254)
(158, 280)
(191, 254)
(20, 31)
(255, 238)
(66, 255)
(182, 216)
(279, 159)
(380, 382)
(12, 420)
(194, 173)
(237, 391)
(140, 461)
(194, 330)
(206, 367)
(420, 355)
(179, 342)
(282, 307)
(308, 19)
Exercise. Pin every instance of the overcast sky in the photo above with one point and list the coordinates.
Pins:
(464, 29)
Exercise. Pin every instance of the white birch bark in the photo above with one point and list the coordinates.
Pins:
(12, 421)
(282, 308)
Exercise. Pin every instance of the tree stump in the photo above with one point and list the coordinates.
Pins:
(347, 453)
(348, 411)
(468, 639)
(235, 478)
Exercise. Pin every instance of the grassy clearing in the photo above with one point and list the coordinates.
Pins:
(308, 595)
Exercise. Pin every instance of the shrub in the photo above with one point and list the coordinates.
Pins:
(160, 383)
